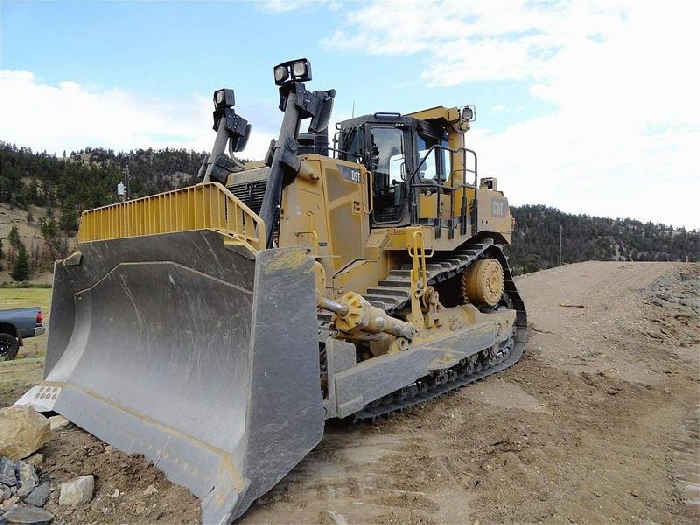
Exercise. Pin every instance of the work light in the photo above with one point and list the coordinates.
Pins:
(299, 70)
(281, 74)
(224, 98)
(468, 113)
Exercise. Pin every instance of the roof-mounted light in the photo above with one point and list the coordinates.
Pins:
(224, 98)
(292, 71)
(468, 113)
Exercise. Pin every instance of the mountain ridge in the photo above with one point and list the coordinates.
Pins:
(52, 191)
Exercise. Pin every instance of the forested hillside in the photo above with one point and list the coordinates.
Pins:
(47, 193)
(538, 228)
(88, 178)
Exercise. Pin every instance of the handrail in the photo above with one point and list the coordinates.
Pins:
(415, 246)
(315, 235)
(453, 186)
(368, 194)
(360, 158)
(203, 206)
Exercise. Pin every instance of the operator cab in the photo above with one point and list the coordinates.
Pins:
(397, 151)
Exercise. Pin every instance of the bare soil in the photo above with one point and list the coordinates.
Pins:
(598, 422)
(128, 489)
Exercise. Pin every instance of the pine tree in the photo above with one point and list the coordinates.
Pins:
(13, 237)
(20, 269)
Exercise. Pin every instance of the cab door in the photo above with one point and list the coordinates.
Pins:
(387, 160)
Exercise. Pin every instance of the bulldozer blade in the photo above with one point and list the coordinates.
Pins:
(201, 356)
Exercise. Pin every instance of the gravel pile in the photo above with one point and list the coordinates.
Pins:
(22, 495)
(679, 296)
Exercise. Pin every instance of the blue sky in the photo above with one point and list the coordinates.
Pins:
(592, 108)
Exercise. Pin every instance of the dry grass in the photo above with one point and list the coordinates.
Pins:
(18, 376)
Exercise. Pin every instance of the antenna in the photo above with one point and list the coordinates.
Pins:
(353, 109)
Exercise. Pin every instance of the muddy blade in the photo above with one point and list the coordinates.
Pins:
(194, 354)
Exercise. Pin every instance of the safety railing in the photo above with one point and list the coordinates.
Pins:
(451, 188)
(200, 207)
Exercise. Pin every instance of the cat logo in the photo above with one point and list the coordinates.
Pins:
(499, 207)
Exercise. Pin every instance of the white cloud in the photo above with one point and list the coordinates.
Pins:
(70, 117)
(622, 77)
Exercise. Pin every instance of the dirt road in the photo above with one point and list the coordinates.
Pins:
(597, 423)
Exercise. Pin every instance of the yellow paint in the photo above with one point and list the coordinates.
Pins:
(204, 206)
(287, 260)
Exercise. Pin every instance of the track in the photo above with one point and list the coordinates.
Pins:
(393, 294)
(439, 383)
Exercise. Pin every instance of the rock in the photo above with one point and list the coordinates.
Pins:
(40, 495)
(7, 472)
(116, 493)
(17, 478)
(35, 459)
(338, 519)
(8, 481)
(58, 422)
(22, 431)
(27, 478)
(28, 515)
(151, 489)
(77, 491)
(9, 503)
(109, 449)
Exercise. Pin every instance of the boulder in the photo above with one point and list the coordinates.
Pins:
(23, 431)
(77, 491)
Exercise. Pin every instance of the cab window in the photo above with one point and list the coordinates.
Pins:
(387, 158)
(427, 167)
(351, 145)
(446, 161)
(430, 167)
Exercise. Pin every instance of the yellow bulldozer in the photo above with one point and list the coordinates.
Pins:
(215, 328)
